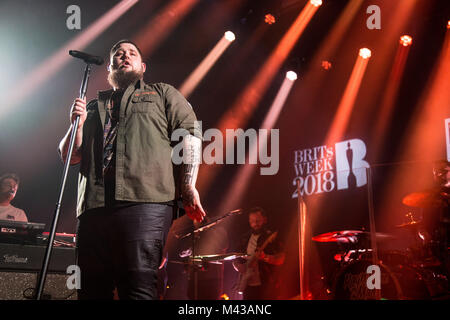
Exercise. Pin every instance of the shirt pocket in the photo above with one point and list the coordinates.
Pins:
(142, 104)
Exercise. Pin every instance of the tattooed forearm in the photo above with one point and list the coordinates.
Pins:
(191, 160)
(189, 171)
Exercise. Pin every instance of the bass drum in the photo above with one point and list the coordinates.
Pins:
(397, 282)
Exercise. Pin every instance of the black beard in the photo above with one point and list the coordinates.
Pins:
(256, 232)
(120, 79)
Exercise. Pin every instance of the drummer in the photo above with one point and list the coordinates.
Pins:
(436, 217)
(441, 174)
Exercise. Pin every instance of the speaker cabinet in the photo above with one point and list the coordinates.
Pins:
(15, 285)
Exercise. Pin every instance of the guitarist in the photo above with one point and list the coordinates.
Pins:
(257, 279)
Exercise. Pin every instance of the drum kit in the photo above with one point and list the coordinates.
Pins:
(419, 272)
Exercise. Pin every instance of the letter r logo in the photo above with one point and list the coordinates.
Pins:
(350, 163)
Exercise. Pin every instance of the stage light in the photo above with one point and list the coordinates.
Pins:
(291, 75)
(207, 63)
(56, 61)
(224, 297)
(448, 24)
(245, 104)
(316, 3)
(162, 24)
(365, 53)
(230, 36)
(345, 108)
(326, 65)
(234, 196)
(269, 19)
(390, 93)
(405, 40)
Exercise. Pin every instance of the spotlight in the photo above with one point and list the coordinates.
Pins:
(269, 19)
(405, 40)
(316, 3)
(326, 65)
(230, 36)
(365, 53)
(448, 24)
(291, 75)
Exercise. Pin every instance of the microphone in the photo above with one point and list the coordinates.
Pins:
(88, 58)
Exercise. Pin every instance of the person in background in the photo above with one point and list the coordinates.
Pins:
(257, 279)
(9, 184)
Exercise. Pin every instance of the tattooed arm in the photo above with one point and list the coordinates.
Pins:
(191, 161)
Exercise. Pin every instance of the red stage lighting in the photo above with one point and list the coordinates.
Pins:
(365, 53)
(326, 65)
(316, 3)
(199, 73)
(224, 297)
(269, 19)
(244, 106)
(230, 36)
(291, 75)
(405, 40)
(345, 108)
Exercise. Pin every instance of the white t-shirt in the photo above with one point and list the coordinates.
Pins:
(12, 213)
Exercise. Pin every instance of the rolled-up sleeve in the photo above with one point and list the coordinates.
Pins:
(180, 114)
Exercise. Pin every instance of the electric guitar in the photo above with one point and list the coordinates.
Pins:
(247, 269)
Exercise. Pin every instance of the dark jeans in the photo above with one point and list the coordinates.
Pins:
(122, 247)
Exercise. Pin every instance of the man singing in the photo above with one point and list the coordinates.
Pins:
(127, 186)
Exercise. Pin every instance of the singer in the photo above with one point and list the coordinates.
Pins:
(128, 186)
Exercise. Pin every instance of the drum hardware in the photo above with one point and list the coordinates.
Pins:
(429, 239)
(420, 272)
(198, 262)
(398, 282)
(351, 255)
(427, 198)
(411, 224)
(350, 236)
(217, 258)
(412, 274)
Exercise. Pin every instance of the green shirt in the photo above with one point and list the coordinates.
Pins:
(143, 168)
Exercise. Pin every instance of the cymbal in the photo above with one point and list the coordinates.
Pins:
(348, 236)
(345, 236)
(411, 224)
(218, 257)
(425, 199)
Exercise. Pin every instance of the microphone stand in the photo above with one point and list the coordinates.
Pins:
(195, 237)
(48, 251)
(210, 224)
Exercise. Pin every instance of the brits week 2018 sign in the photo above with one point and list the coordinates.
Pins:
(328, 168)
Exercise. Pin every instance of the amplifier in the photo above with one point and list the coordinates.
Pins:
(16, 257)
(21, 286)
(20, 266)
